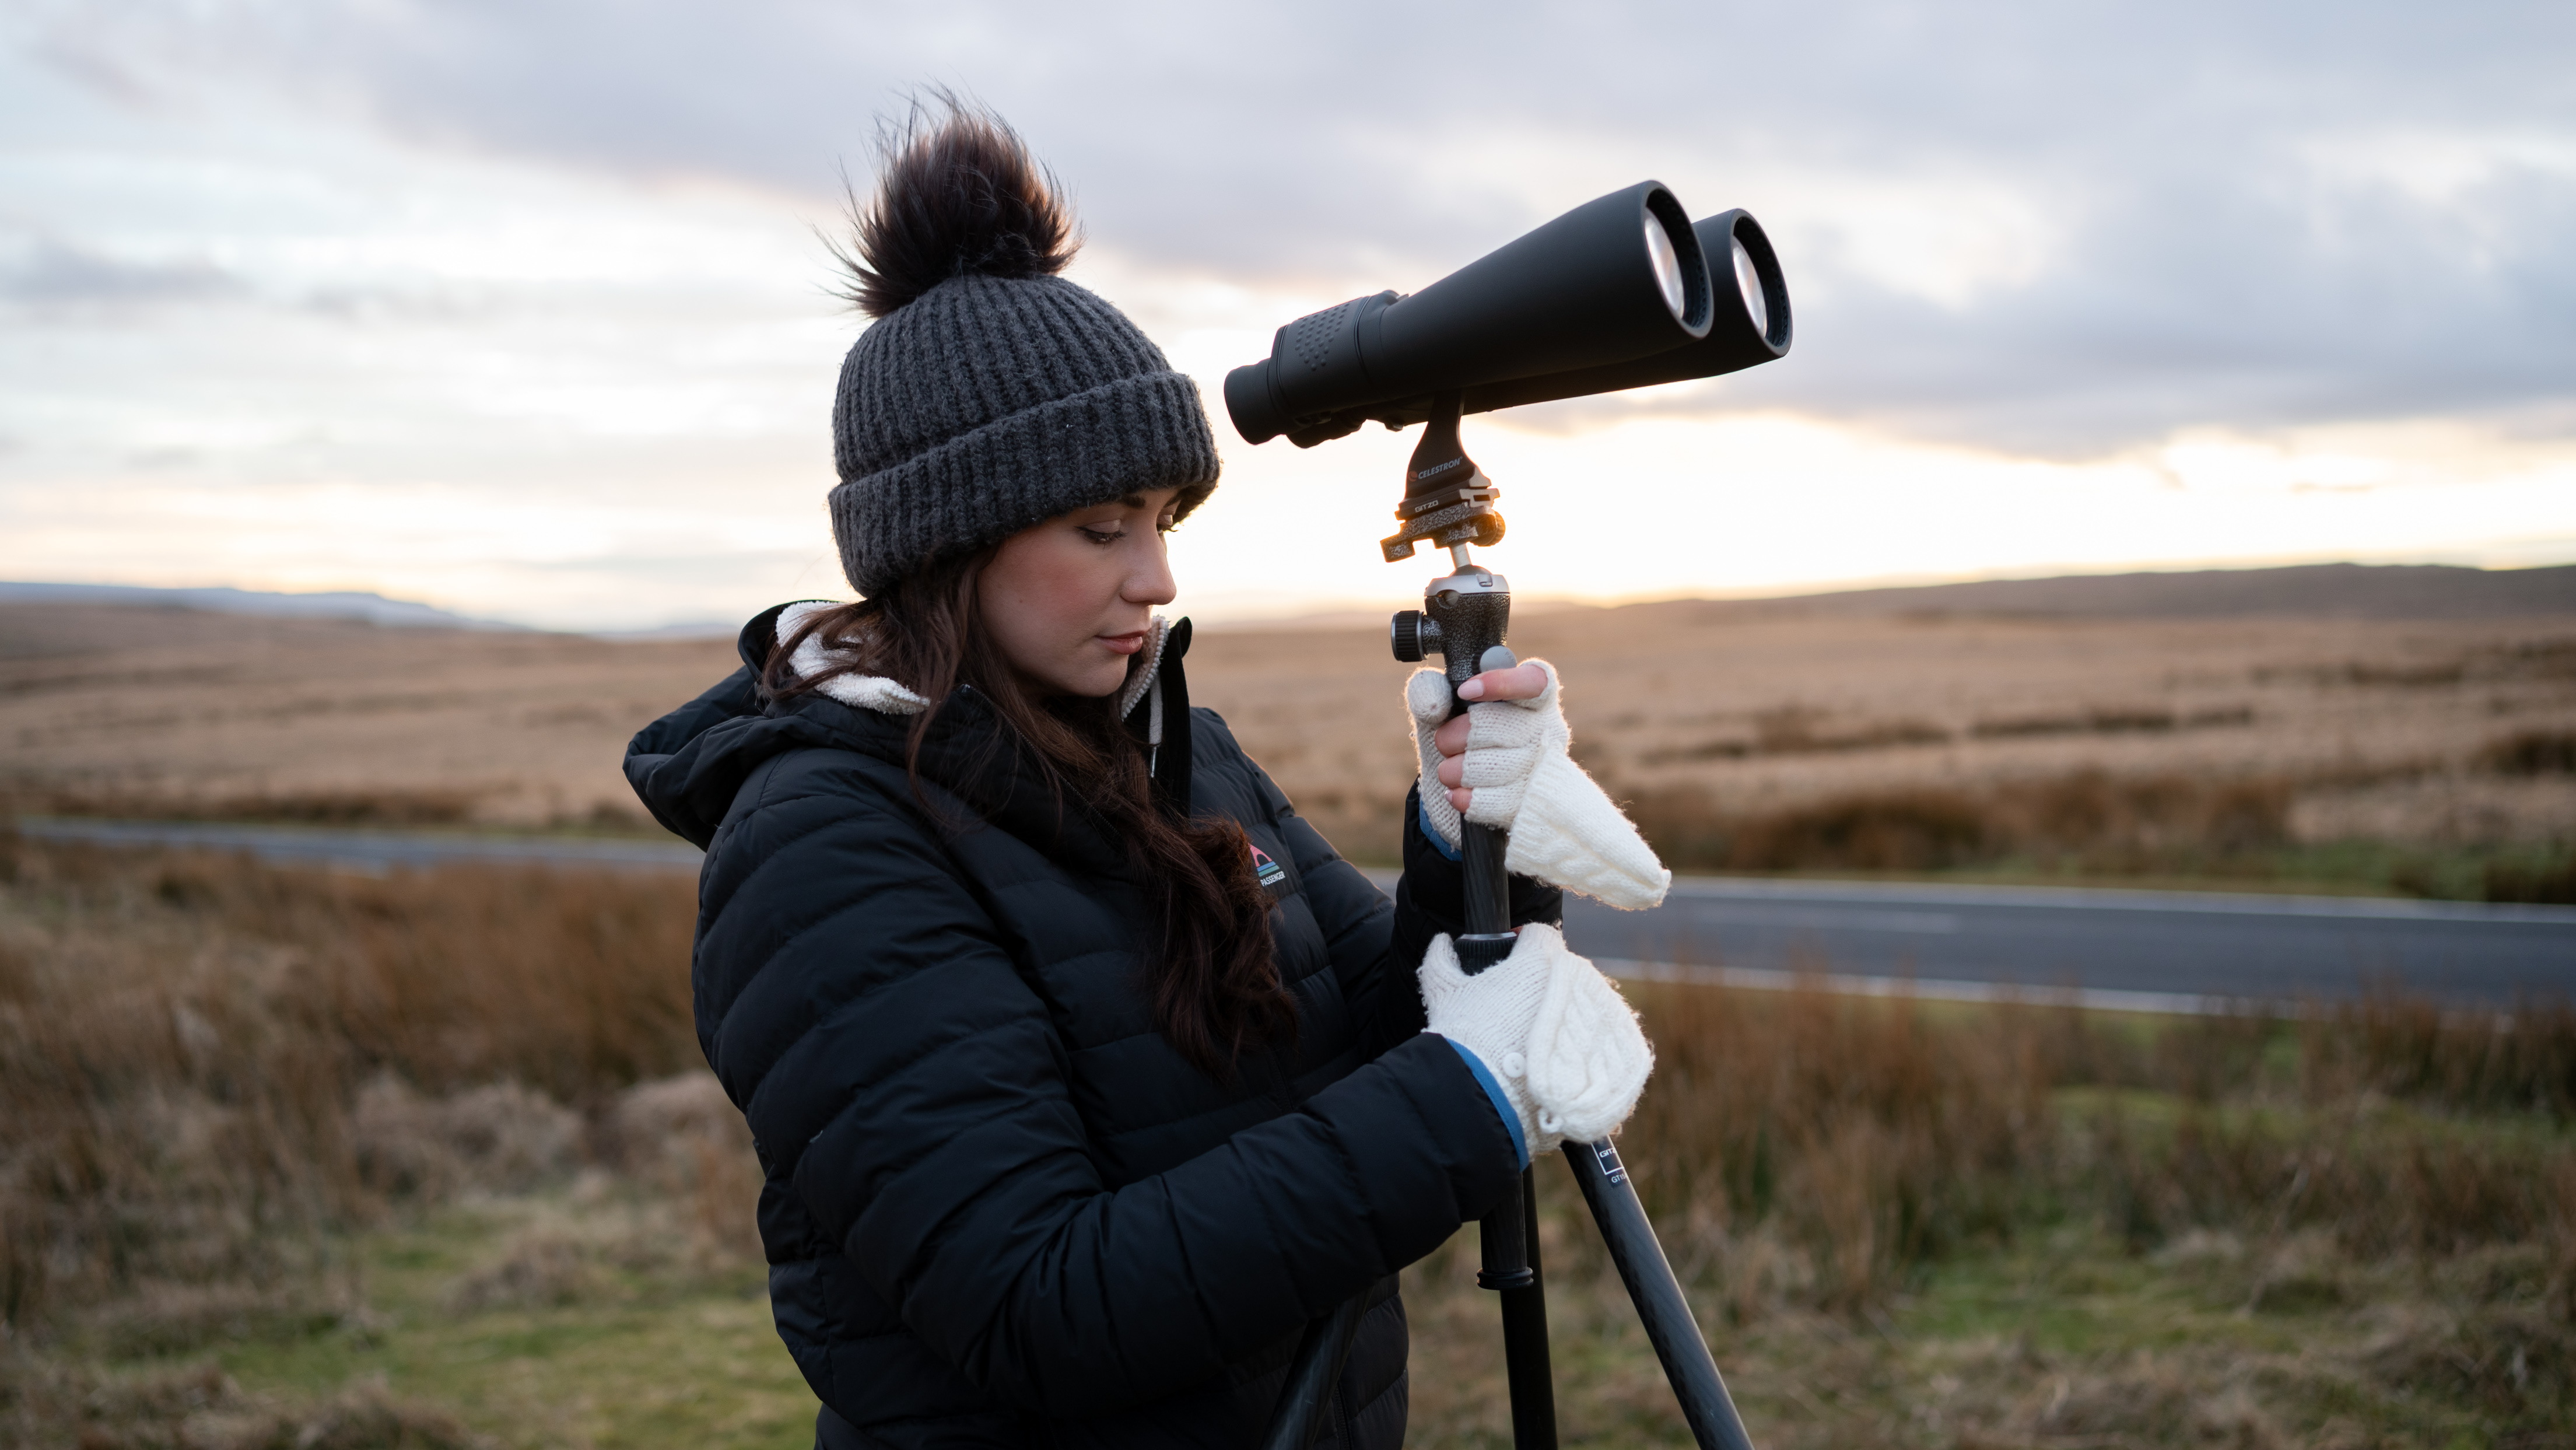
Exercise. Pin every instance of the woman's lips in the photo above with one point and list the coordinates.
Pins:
(1125, 644)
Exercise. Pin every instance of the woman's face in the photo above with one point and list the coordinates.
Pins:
(1068, 601)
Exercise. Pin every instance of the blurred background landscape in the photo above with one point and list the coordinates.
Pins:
(2170, 500)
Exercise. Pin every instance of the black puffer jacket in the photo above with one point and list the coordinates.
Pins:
(1000, 1209)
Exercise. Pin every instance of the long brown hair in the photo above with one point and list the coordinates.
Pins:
(1212, 972)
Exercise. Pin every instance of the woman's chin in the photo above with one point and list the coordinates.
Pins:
(1090, 681)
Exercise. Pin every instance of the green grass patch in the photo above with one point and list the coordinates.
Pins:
(609, 1356)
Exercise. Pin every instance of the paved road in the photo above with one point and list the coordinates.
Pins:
(368, 850)
(1967, 940)
(2143, 949)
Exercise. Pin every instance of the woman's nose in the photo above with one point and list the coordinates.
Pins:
(1150, 581)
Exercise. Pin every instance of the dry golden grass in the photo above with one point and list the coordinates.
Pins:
(220, 1075)
(181, 712)
(210, 1065)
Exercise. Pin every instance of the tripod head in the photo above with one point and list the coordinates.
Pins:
(1449, 501)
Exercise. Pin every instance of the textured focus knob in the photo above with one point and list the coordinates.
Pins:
(1412, 636)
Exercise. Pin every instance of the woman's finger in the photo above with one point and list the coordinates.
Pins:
(1520, 682)
(1462, 799)
(1451, 738)
(1453, 771)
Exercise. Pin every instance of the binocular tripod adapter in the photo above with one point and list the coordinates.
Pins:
(1621, 292)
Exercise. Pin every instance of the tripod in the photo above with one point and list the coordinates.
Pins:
(1464, 618)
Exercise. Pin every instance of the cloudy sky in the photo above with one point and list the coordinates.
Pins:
(518, 307)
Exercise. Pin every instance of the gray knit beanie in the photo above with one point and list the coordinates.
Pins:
(990, 395)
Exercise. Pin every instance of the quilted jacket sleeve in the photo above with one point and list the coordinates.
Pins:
(909, 1084)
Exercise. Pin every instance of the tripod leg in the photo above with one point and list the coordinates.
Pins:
(1510, 1231)
(1525, 1359)
(1658, 1295)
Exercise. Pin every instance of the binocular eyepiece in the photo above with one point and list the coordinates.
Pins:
(1622, 292)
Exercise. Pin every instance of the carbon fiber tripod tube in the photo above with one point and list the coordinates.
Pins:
(1472, 624)
(1658, 1296)
(1509, 1231)
(1525, 1363)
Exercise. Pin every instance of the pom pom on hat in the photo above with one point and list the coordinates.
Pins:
(960, 197)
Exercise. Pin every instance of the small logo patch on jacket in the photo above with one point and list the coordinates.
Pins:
(1274, 877)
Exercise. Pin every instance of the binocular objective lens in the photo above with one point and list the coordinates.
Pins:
(1667, 264)
(1748, 280)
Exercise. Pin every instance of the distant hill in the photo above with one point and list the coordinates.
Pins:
(2315, 591)
(373, 608)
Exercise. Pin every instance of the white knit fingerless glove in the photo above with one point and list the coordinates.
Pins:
(1564, 830)
(1556, 1035)
(1426, 699)
(1489, 1014)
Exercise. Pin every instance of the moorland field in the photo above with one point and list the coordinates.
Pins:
(2374, 729)
(295, 1157)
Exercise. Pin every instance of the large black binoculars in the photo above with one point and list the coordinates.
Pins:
(1621, 292)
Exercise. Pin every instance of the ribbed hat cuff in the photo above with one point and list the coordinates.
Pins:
(1142, 432)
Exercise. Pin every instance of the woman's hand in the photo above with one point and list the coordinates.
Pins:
(1559, 1040)
(1506, 763)
(1520, 682)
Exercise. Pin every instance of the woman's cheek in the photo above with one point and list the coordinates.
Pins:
(1063, 609)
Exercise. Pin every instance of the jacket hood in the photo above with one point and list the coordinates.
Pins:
(688, 766)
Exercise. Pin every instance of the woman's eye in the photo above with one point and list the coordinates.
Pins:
(1104, 537)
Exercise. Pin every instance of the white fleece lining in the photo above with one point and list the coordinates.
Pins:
(859, 692)
(1156, 631)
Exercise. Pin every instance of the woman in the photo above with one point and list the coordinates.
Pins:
(1082, 1072)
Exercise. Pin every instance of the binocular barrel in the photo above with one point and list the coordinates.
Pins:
(1621, 292)
(1752, 327)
